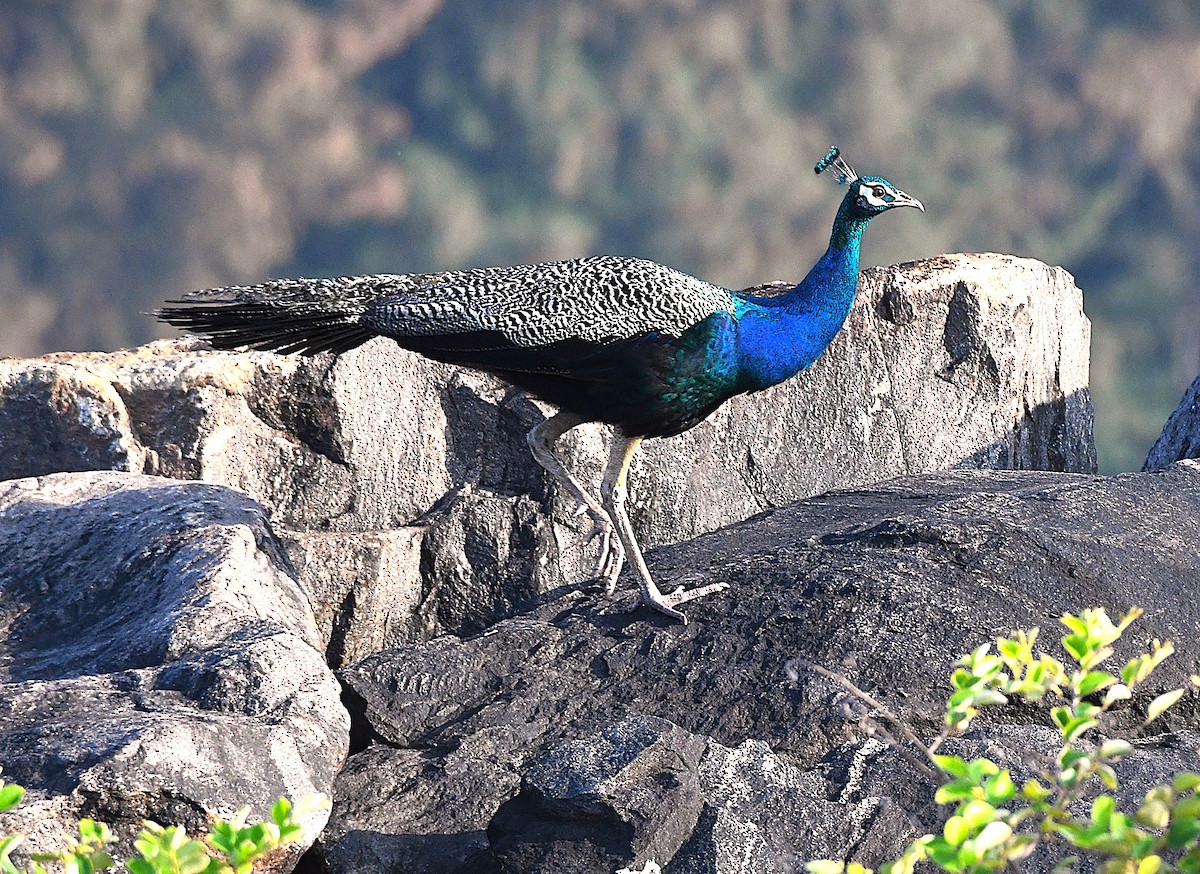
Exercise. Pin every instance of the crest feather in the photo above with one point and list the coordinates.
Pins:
(835, 160)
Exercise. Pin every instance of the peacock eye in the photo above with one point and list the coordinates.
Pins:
(878, 191)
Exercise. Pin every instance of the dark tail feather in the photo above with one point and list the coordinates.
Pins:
(307, 328)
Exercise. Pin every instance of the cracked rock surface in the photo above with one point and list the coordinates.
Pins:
(576, 732)
(408, 498)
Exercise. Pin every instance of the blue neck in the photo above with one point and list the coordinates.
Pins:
(778, 337)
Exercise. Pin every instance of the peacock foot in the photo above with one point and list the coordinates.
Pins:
(666, 603)
(612, 553)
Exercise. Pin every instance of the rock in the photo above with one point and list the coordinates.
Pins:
(959, 361)
(485, 751)
(1180, 437)
(646, 790)
(158, 659)
(365, 592)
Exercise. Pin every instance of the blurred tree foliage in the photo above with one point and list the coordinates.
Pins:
(147, 148)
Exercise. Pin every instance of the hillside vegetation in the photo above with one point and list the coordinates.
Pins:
(149, 148)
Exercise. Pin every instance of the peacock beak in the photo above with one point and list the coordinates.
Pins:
(903, 199)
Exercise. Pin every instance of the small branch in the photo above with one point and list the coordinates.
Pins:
(930, 768)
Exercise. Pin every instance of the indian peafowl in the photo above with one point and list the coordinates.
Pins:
(646, 349)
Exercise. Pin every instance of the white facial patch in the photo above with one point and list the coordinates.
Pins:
(866, 194)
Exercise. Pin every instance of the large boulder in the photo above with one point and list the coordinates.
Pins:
(577, 731)
(158, 659)
(1180, 437)
(959, 361)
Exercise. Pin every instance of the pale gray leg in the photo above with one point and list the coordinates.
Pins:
(541, 439)
(613, 491)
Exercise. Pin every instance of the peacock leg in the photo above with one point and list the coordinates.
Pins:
(613, 492)
(541, 439)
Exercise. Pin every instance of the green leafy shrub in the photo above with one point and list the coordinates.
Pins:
(995, 823)
(231, 846)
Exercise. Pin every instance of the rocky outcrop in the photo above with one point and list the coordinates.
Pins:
(402, 482)
(577, 732)
(1180, 437)
(158, 659)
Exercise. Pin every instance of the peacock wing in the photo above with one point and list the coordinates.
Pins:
(595, 300)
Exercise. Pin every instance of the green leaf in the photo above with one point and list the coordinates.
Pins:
(140, 866)
(1076, 727)
(1119, 692)
(956, 830)
(1130, 671)
(1188, 806)
(944, 855)
(1076, 646)
(281, 811)
(1035, 791)
(1070, 756)
(1186, 781)
(1154, 814)
(1075, 772)
(102, 861)
(1115, 748)
(977, 814)
(824, 866)
(977, 769)
(7, 845)
(1161, 703)
(993, 835)
(958, 790)
(10, 796)
(952, 765)
(1107, 775)
(988, 698)
(1102, 810)
(1074, 623)
(999, 789)
(1182, 832)
(1095, 681)
(1061, 716)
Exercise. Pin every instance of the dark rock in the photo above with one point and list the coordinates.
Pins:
(632, 791)
(1180, 437)
(646, 790)
(158, 659)
(959, 361)
(887, 586)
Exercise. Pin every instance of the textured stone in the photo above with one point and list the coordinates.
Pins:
(366, 592)
(887, 586)
(959, 361)
(646, 790)
(1180, 437)
(157, 658)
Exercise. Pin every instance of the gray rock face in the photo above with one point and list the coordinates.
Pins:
(1180, 437)
(157, 658)
(556, 733)
(960, 361)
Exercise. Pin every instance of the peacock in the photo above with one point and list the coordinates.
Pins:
(641, 347)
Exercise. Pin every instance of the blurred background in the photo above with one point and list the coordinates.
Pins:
(150, 147)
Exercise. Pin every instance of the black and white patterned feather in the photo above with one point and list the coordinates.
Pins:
(598, 300)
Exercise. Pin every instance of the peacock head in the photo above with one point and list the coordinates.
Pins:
(868, 195)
